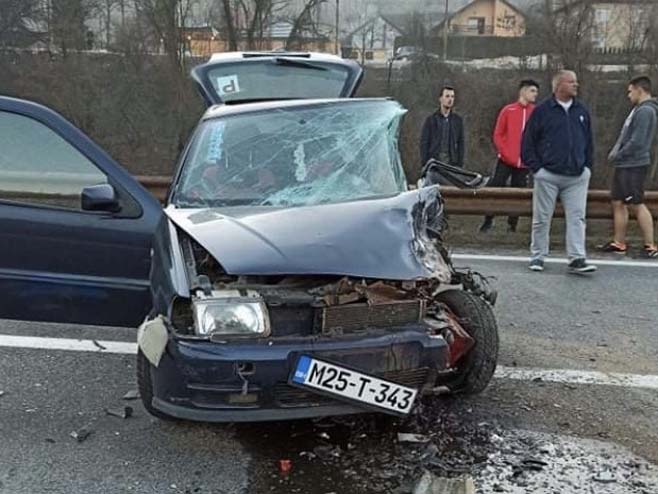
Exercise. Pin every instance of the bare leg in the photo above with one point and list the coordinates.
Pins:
(620, 213)
(645, 220)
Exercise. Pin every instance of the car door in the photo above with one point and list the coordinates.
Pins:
(246, 77)
(75, 227)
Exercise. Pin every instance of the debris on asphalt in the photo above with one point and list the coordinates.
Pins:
(81, 434)
(605, 477)
(2, 393)
(365, 454)
(537, 462)
(405, 437)
(326, 452)
(98, 345)
(122, 413)
(548, 449)
(532, 464)
(433, 484)
(50, 440)
(133, 394)
(285, 466)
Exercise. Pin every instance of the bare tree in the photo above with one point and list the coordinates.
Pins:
(67, 24)
(567, 30)
(305, 22)
(105, 9)
(166, 18)
(245, 22)
(15, 16)
(229, 9)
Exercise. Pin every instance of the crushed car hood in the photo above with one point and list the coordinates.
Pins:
(380, 238)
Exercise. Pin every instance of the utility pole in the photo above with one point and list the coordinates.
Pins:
(337, 26)
(445, 33)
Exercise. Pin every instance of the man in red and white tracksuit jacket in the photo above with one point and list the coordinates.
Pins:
(507, 139)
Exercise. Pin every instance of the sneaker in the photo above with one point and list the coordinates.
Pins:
(616, 247)
(536, 265)
(578, 266)
(649, 252)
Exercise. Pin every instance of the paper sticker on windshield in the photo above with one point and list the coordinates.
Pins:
(228, 85)
(216, 143)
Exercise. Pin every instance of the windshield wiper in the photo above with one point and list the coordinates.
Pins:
(298, 63)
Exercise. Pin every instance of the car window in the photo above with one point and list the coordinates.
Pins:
(260, 80)
(39, 167)
(296, 156)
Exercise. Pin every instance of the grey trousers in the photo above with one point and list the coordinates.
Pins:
(572, 192)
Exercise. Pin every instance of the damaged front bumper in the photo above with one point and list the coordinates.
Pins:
(248, 381)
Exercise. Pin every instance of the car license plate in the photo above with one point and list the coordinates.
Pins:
(354, 386)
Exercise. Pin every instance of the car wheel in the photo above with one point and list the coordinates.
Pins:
(145, 386)
(476, 368)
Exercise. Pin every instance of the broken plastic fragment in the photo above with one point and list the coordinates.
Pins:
(285, 466)
(81, 434)
(133, 394)
(605, 477)
(122, 413)
(404, 437)
(432, 484)
(98, 345)
(152, 339)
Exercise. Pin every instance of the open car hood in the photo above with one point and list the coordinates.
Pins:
(381, 238)
(246, 77)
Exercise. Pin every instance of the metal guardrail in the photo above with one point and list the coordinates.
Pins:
(489, 200)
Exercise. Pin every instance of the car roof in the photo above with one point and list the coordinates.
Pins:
(223, 110)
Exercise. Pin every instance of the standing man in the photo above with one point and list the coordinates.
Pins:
(507, 135)
(558, 148)
(442, 137)
(631, 157)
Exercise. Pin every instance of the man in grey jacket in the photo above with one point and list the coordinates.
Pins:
(631, 157)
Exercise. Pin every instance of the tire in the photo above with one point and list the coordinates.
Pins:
(145, 386)
(476, 368)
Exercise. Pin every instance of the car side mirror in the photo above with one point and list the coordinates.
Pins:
(100, 197)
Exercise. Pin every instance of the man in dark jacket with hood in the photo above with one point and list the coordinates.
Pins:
(442, 137)
(631, 157)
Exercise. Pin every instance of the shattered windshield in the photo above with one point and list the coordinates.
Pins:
(296, 156)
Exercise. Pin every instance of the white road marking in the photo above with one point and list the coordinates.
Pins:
(553, 260)
(68, 344)
(517, 373)
(647, 381)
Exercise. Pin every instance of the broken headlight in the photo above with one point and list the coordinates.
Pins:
(230, 313)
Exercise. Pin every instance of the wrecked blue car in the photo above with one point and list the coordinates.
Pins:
(292, 272)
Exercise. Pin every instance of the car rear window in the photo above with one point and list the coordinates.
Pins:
(274, 79)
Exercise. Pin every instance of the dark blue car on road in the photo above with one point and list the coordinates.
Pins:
(291, 273)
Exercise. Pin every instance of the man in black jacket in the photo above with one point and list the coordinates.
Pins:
(558, 147)
(443, 132)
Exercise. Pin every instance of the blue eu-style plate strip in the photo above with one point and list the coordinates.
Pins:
(303, 364)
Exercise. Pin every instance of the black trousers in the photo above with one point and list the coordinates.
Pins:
(516, 177)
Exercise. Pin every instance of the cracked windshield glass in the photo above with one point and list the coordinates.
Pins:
(295, 156)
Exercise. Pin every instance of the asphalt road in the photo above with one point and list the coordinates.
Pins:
(605, 322)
